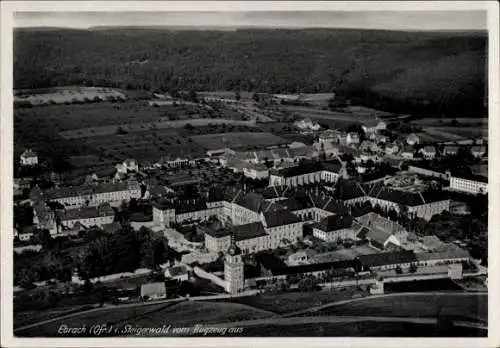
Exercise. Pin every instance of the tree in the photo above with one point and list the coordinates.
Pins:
(413, 268)
(399, 270)
(46, 240)
(237, 95)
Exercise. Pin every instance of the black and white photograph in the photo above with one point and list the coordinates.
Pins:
(201, 172)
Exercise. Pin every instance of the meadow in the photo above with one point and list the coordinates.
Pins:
(238, 140)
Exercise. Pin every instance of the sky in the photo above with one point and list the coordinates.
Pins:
(388, 20)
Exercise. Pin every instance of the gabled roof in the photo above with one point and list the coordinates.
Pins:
(429, 149)
(248, 231)
(280, 218)
(334, 223)
(28, 153)
(251, 201)
(443, 255)
(348, 189)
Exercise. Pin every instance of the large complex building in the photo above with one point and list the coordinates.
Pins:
(310, 173)
(95, 194)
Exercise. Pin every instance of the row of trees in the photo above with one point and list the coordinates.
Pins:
(123, 251)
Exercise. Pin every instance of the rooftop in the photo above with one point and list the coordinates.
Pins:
(85, 213)
(248, 231)
(280, 218)
(443, 255)
(334, 223)
(391, 258)
(86, 190)
(251, 201)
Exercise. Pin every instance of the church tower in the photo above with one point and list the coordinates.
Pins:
(233, 269)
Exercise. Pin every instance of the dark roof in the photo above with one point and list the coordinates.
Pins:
(390, 258)
(474, 177)
(248, 231)
(378, 190)
(217, 233)
(301, 169)
(348, 189)
(315, 267)
(85, 213)
(280, 218)
(328, 203)
(298, 202)
(251, 201)
(334, 223)
(272, 192)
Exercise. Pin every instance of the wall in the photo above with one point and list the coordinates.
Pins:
(205, 275)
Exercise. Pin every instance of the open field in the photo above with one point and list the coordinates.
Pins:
(470, 305)
(437, 122)
(60, 95)
(155, 315)
(295, 301)
(357, 329)
(146, 145)
(236, 140)
(138, 127)
(459, 132)
(318, 114)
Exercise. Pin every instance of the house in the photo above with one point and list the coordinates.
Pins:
(29, 158)
(450, 150)
(329, 149)
(391, 149)
(369, 145)
(408, 152)
(443, 257)
(378, 237)
(256, 171)
(307, 124)
(412, 139)
(180, 272)
(375, 220)
(374, 126)
(131, 165)
(380, 139)
(478, 151)
(352, 138)
(329, 136)
(333, 228)
(428, 152)
(153, 291)
(299, 258)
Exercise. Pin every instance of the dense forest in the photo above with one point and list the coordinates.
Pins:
(443, 73)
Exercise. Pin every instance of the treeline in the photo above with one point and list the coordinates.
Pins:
(123, 251)
(438, 72)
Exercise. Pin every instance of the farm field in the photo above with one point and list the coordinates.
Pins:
(357, 329)
(433, 122)
(237, 140)
(461, 131)
(156, 315)
(138, 127)
(146, 145)
(471, 305)
(319, 114)
(295, 301)
(60, 95)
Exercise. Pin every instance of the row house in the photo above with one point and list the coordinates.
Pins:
(334, 227)
(95, 194)
(305, 174)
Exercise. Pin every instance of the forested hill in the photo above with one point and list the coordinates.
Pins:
(441, 72)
